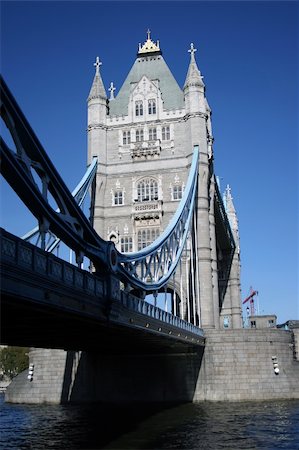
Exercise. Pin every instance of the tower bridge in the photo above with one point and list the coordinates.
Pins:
(160, 307)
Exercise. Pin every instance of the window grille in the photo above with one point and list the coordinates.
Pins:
(147, 190)
(126, 244)
(177, 192)
(118, 198)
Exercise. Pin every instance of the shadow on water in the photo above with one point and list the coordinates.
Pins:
(72, 426)
(209, 426)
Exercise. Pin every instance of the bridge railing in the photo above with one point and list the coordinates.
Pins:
(140, 306)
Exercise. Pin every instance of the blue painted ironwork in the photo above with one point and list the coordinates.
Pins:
(79, 194)
(148, 269)
(151, 267)
(69, 222)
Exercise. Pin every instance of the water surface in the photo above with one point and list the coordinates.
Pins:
(205, 425)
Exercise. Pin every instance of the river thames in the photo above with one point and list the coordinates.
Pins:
(250, 425)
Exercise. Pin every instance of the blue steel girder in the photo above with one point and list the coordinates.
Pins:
(69, 223)
(150, 268)
(79, 194)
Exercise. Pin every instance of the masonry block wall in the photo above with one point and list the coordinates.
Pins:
(239, 365)
(85, 377)
(47, 381)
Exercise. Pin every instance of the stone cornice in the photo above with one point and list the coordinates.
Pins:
(96, 126)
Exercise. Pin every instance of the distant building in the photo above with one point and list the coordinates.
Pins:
(143, 138)
(267, 321)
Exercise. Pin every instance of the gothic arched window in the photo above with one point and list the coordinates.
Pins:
(165, 133)
(139, 135)
(126, 137)
(152, 134)
(152, 106)
(147, 190)
(139, 108)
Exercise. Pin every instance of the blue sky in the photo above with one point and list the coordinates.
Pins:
(248, 55)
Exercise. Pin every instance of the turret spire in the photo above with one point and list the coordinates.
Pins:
(111, 90)
(230, 209)
(193, 77)
(97, 89)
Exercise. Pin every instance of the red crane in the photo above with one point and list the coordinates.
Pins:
(251, 298)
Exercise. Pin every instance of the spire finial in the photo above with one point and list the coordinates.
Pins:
(192, 50)
(149, 46)
(228, 190)
(97, 65)
(111, 90)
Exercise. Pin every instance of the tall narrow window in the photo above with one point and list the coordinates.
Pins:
(152, 134)
(118, 198)
(177, 192)
(152, 106)
(139, 135)
(126, 137)
(165, 133)
(139, 108)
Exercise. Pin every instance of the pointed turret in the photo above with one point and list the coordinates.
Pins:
(193, 77)
(97, 112)
(194, 88)
(97, 89)
(234, 284)
(231, 213)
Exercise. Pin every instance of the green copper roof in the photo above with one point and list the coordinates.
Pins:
(154, 68)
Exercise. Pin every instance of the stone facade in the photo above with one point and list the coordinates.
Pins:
(240, 365)
(47, 379)
(143, 138)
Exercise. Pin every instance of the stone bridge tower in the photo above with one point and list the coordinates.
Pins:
(143, 138)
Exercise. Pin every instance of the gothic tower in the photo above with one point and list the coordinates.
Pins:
(144, 138)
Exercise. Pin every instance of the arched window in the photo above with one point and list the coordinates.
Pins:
(165, 133)
(152, 106)
(139, 108)
(126, 137)
(147, 190)
(139, 135)
(152, 134)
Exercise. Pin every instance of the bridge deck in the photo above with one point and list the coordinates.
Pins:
(49, 303)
